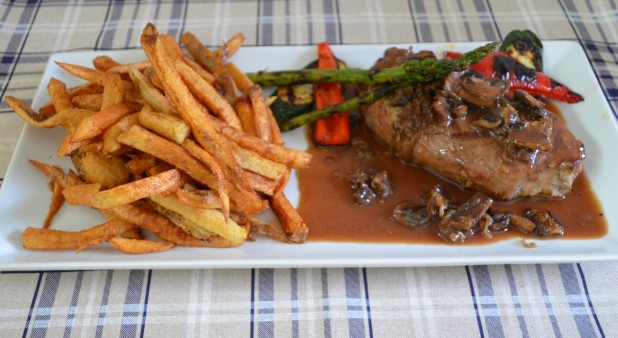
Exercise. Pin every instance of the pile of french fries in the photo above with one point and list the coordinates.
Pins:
(181, 145)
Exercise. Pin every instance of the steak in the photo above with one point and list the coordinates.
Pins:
(476, 133)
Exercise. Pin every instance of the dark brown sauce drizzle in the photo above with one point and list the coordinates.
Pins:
(327, 204)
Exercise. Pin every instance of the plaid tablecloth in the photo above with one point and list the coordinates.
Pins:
(502, 300)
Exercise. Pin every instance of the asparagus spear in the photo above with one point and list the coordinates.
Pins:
(417, 71)
(411, 69)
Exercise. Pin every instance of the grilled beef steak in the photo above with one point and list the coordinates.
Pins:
(472, 131)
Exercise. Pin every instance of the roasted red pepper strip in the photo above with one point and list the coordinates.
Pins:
(500, 65)
(335, 129)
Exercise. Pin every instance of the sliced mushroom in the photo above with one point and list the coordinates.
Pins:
(466, 216)
(414, 216)
(546, 223)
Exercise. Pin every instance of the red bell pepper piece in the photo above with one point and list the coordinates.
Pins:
(335, 129)
(502, 66)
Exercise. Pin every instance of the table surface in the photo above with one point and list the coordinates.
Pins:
(500, 300)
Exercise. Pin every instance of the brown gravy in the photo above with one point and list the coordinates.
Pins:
(327, 204)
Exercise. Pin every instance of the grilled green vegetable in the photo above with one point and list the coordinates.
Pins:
(525, 47)
(417, 71)
(410, 70)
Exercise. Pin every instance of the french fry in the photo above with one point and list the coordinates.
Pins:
(113, 92)
(88, 101)
(143, 140)
(207, 94)
(141, 163)
(230, 47)
(98, 122)
(261, 184)
(124, 69)
(290, 157)
(204, 157)
(49, 239)
(210, 219)
(90, 194)
(251, 161)
(32, 117)
(209, 61)
(59, 95)
(108, 171)
(111, 145)
(87, 88)
(241, 80)
(135, 233)
(104, 63)
(270, 230)
(168, 126)
(56, 203)
(146, 218)
(260, 112)
(202, 199)
(291, 222)
(150, 94)
(139, 246)
(245, 115)
(200, 70)
(90, 75)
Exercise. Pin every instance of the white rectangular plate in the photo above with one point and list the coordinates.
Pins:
(24, 198)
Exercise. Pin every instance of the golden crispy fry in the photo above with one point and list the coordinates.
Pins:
(32, 117)
(241, 80)
(143, 140)
(290, 157)
(245, 115)
(230, 47)
(200, 70)
(113, 92)
(146, 218)
(88, 101)
(203, 199)
(49, 239)
(98, 122)
(139, 246)
(210, 219)
(291, 222)
(104, 63)
(108, 171)
(222, 183)
(266, 229)
(56, 203)
(261, 184)
(260, 112)
(150, 94)
(90, 75)
(135, 233)
(207, 94)
(124, 69)
(59, 95)
(88, 88)
(251, 161)
(168, 126)
(209, 61)
(90, 194)
(111, 145)
(141, 163)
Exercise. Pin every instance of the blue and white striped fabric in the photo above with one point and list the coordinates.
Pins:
(498, 301)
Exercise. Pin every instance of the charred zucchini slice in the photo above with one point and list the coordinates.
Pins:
(296, 100)
(524, 46)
